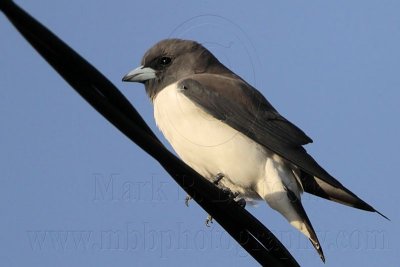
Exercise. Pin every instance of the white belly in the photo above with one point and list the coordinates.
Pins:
(208, 145)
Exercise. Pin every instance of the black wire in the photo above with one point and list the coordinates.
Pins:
(99, 92)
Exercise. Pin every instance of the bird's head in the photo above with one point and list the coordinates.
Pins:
(170, 60)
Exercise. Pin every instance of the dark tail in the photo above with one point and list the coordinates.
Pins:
(340, 194)
(300, 211)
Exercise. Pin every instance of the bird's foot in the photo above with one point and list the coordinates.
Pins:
(187, 199)
(241, 202)
(209, 220)
(218, 178)
(234, 196)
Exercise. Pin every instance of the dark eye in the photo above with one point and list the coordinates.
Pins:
(164, 61)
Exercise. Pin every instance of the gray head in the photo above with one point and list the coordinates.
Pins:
(171, 60)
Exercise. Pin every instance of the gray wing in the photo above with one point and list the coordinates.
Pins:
(242, 107)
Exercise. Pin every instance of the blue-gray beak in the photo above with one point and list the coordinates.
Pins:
(140, 74)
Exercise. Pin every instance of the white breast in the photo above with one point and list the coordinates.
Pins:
(208, 145)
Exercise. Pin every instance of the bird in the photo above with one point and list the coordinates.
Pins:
(225, 129)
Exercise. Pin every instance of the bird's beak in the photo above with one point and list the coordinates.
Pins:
(140, 74)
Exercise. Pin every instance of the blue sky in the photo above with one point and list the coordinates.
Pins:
(76, 192)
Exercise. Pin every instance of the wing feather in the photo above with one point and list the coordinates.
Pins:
(230, 99)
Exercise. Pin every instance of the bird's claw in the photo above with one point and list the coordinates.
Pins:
(209, 220)
(187, 199)
(218, 178)
(234, 196)
(241, 202)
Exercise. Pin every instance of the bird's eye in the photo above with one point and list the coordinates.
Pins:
(165, 61)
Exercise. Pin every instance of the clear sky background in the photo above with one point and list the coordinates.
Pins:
(75, 192)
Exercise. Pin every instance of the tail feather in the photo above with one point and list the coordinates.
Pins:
(296, 203)
(340, 194)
